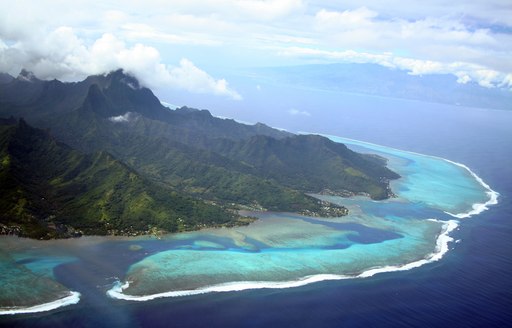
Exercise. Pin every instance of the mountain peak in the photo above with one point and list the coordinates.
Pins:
(27, 76)
(117, 93)
(120, 76)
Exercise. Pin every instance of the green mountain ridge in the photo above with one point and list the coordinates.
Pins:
(185, 153)
(308, 162)
(50, 190)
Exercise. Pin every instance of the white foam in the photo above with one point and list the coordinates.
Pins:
(73, 298)
(441, 248)
(117, 290)
(126, 117)
(477, 208)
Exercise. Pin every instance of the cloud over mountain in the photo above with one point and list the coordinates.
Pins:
(472, 41)
(63, 55)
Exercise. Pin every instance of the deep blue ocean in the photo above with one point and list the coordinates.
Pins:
(470, 287)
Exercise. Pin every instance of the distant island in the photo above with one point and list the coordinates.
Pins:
(103, 156)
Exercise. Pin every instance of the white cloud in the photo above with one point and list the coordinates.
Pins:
(472, 40)
(127, 117)
(296, 112)
(496, 11)
(138, 31)
(465, 72)
(187, 76)
(507, 81)
(254, 10)
(348, 19)
(267, 10)
(462, 77)
(426, 36)
(61, 54)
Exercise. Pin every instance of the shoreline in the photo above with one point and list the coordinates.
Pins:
(442, 241)
(477, 208)
(71, 299)
(441, 248)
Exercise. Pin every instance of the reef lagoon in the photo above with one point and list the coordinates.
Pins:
(280, 250)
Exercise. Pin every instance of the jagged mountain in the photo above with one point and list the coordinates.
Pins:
(109, 96)
(190, 152)
(50, 190)
(309, 162)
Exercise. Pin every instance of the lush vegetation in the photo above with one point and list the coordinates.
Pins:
(135, 165)
(50, 190)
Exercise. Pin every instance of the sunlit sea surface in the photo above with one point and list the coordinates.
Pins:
(433, 256)
(281, 250)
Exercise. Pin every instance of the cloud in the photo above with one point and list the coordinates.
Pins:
(431, 37)
(472, 40)
(231, 10)
(465, 72)
(127, 117)
(138, 31)
(62, 54)
(268, 10)
(348, 19)
(296, 112)
(187, 76)
(495, 11)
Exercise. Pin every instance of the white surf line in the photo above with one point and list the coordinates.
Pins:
(477, 208)
(117, 291)
(73, 298)
(441, 249)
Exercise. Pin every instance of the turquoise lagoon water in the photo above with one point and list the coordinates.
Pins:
(27, 278)
(433, 181)
(285, 250)
(281, 250)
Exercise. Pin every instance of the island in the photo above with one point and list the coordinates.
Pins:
(170, 203)
(104, 157)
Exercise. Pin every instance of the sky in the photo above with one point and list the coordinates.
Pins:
(186, 45)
